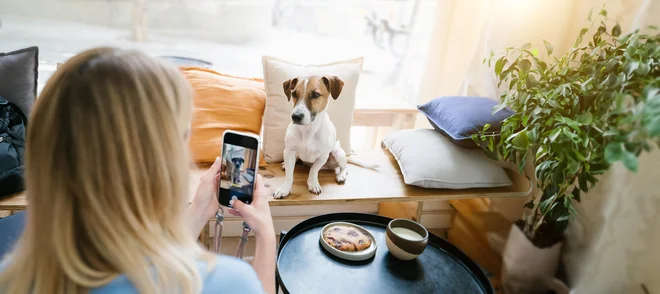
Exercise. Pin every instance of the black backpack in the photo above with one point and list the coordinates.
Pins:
(13, 124)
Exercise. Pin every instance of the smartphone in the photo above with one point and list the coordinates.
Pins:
(240, 156)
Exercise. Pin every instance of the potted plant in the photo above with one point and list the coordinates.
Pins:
(575, 115)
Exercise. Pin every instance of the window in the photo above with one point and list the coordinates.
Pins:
(232, 35)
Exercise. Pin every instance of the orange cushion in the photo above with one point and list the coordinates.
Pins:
(222, 102)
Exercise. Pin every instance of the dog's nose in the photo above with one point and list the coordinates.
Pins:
(297, 117)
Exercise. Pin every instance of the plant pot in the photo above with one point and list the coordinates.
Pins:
(529, 269)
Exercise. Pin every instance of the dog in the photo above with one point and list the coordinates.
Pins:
(236, 170)
(311, 137)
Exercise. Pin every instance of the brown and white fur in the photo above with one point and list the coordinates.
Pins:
(311, 137)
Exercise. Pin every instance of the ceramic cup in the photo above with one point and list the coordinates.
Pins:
(406, 239)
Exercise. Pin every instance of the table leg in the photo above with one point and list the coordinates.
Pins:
(398, 123)
(374, 136)
(409, 121)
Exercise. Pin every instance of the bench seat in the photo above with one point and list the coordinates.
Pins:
(363, 185)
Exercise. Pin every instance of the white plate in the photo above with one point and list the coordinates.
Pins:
(350, 255)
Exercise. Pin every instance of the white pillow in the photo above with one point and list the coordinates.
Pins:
(277, 115)
(430, 160)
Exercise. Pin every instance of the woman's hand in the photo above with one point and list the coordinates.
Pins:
(257, 215)
(205, 204)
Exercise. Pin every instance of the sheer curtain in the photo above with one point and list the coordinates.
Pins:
(610, 246)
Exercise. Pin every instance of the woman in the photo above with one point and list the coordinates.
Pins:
(107, 177)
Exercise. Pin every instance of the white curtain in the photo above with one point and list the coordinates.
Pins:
(614, 244)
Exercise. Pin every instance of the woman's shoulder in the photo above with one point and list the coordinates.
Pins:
(222, 274)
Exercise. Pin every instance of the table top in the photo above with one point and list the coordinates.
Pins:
(303, 265)
(363, 185)
(376, 186)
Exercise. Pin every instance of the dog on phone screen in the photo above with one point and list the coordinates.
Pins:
(311, 137)
(236, 170)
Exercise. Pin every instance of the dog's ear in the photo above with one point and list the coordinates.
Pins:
(288, 86)
(334, 85)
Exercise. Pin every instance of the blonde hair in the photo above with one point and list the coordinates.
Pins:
(107, 180)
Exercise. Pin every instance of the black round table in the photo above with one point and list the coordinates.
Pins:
(303, 266)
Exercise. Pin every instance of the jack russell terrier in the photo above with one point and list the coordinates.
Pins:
(236, 170)
(311, 137)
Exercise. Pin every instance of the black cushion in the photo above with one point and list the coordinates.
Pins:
(11, 228)
(18, 77)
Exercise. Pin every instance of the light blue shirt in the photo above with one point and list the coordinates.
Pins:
(230, 275)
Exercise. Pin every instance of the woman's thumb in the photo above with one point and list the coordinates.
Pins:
(239, 205)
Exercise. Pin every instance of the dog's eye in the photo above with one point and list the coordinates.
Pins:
(294, 94)
(315, 95)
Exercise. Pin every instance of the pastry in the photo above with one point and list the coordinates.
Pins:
(346, 238)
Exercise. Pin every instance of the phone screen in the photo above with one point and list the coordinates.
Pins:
(239, 167)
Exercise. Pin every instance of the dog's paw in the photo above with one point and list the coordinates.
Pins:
(282, 192)
(314, 186)
(283, 167)
(342, 174)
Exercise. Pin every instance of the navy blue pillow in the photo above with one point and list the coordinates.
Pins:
(458, 117)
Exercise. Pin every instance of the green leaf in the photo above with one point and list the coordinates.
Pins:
(653, 128)
(611, 80)
(620, 79)
(572, 166)
(603, 12)
(650, 92)
(548, 47)
(475, 138)
(630, 160)
(554, 134)
(579, 155)
(591, 12)
(499, 64)
(545, 203)
(491, 146)
(554, 103)
(531, 81)
(579, 39)
(583, 183)
(532, 135)
(521, 164)
(520, 140)
(616, 30)
(631, 66)
(498, 107)
(576, 194)
(535, 52)
(563, 218)
(526, 46)
(613, 152)
(585, 118)
(525, 65)
(643, 69)
(486, 127)
(512, 83)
